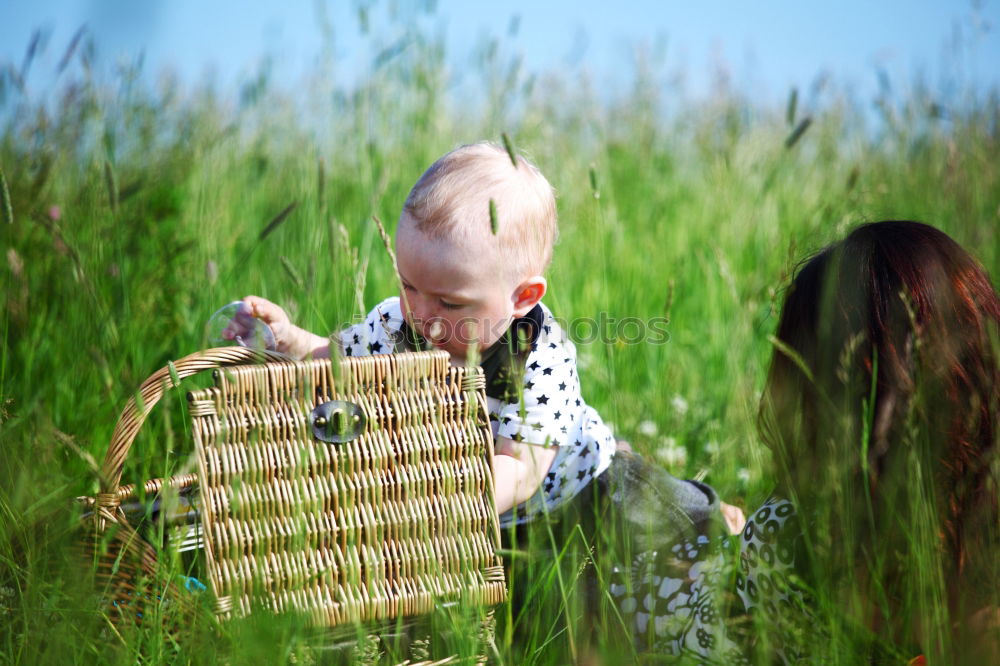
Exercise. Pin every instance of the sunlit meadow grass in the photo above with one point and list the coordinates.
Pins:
(135, 211)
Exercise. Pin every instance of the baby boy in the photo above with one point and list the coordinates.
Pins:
(473, 242)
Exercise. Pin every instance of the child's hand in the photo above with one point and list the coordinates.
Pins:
(255, 307)
(288, 338)
(733, 515)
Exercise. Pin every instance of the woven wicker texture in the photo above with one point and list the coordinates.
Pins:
(383, 525)
(126, 573)
(124, 564)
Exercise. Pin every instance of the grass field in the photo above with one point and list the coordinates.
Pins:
(133, 211)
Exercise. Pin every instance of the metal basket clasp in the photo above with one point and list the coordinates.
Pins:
(337, 421)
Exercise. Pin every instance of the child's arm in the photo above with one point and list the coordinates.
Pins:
(518, 470)
(289, 338)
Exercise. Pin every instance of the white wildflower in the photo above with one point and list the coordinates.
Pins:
(743, 474)
(679, 404)
(648, 428)
(671, 454)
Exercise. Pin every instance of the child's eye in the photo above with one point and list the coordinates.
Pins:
(451, 306)
(407, 287)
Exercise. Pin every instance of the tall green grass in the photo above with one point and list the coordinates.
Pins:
(131, 211)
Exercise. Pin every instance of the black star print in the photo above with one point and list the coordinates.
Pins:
(577, 402)
(543, 400)
(529, 385)
(553, 345)
(347, 352)
(534, 346)
(551, 476)
(385, 316)
(582, 475)
(547, 328)
(558, 415)
(563, 430)
(506, 420)
(562, 386)
(534, 365)
(371, 325)
(376, 346)
(356, 339)
(547, 371)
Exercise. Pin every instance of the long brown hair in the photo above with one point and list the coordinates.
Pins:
(883, 387)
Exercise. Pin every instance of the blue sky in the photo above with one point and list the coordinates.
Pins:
(766, 47)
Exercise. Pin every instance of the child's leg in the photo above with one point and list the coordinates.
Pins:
(661, 556)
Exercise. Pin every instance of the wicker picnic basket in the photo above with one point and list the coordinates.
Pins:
(349, 490)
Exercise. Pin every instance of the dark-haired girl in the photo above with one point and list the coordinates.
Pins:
(881, 410)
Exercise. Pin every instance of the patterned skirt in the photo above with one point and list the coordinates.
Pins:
(653, 557)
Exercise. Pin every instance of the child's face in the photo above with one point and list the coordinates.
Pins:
(458, 297)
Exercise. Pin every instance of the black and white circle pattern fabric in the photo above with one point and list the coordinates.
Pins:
(766, 581)
(549, 412)
(672, 601)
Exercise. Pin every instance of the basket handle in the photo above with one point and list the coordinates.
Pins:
(150, 392)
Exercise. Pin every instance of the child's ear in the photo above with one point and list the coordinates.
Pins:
(528, 293)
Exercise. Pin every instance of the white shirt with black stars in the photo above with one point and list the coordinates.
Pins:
(551, 411)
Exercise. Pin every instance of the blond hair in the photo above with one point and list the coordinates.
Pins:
(452, 199)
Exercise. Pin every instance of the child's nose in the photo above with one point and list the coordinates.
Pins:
(420, 310)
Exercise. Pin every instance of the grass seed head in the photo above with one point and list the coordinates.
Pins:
(277, 220)
(8, 209)
(852, 178)
(112, 185)
(797, 133)
(793, 105)
(42, 175)
(33, 49)
(291, 272)
(15, 262)
(71, 49)
(509, 147)
(321, 185)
